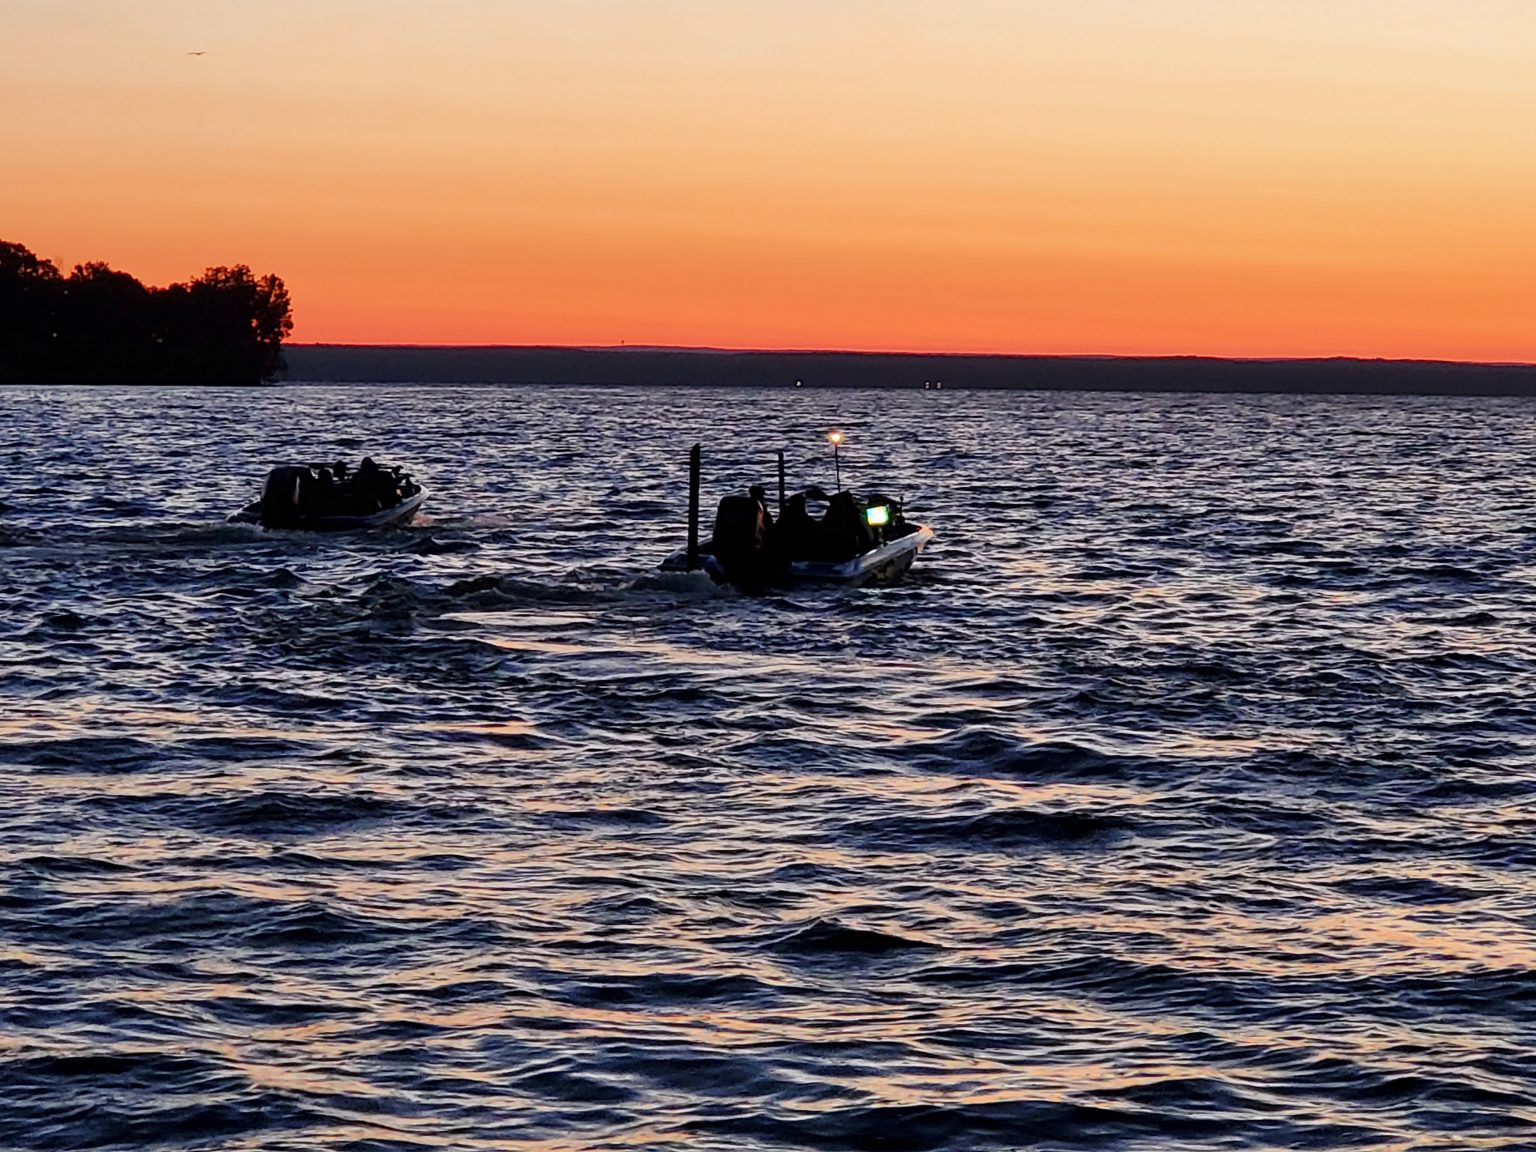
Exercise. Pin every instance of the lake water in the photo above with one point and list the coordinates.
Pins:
(1182, 798)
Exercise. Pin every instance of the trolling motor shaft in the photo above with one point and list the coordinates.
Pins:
(693, 508)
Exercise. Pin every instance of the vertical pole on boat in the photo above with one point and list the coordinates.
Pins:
(837, 468)
(693, 508)
(781, 483)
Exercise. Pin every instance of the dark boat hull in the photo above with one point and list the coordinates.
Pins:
(397, 516)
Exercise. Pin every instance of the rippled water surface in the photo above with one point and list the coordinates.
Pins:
(1181, 799)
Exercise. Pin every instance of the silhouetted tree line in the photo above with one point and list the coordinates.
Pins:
(101, 326)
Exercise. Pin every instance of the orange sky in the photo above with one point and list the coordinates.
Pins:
(1244, 177)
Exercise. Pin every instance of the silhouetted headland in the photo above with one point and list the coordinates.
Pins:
(101, 326)
(707, 367)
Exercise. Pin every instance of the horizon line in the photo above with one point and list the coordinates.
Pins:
(738, 351)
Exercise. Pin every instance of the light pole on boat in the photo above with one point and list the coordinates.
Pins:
(836, 438)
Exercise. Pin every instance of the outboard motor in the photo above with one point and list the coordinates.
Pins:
(741, 531)
(282, 497)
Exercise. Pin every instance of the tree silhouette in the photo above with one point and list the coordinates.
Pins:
(29, 304)
(99, 325)
(105, 325)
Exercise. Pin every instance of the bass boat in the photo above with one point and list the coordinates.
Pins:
(816, 539)
(334, 498)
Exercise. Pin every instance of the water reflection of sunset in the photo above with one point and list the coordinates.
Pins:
(1183, 798)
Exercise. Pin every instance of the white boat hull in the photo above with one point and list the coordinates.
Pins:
(881, 565)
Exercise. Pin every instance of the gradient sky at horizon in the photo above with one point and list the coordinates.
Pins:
(1274, 177)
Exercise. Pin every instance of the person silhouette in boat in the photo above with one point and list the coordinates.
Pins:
(320, 496)
(375, 487)
(845, 533)
(798, 532)
(760, 498)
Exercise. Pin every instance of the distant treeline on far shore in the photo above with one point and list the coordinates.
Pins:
(711, 368)
(100, 326)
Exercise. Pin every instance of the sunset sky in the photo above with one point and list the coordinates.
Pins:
(1235, 177)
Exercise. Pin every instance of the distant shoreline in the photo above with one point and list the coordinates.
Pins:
(702, 367)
